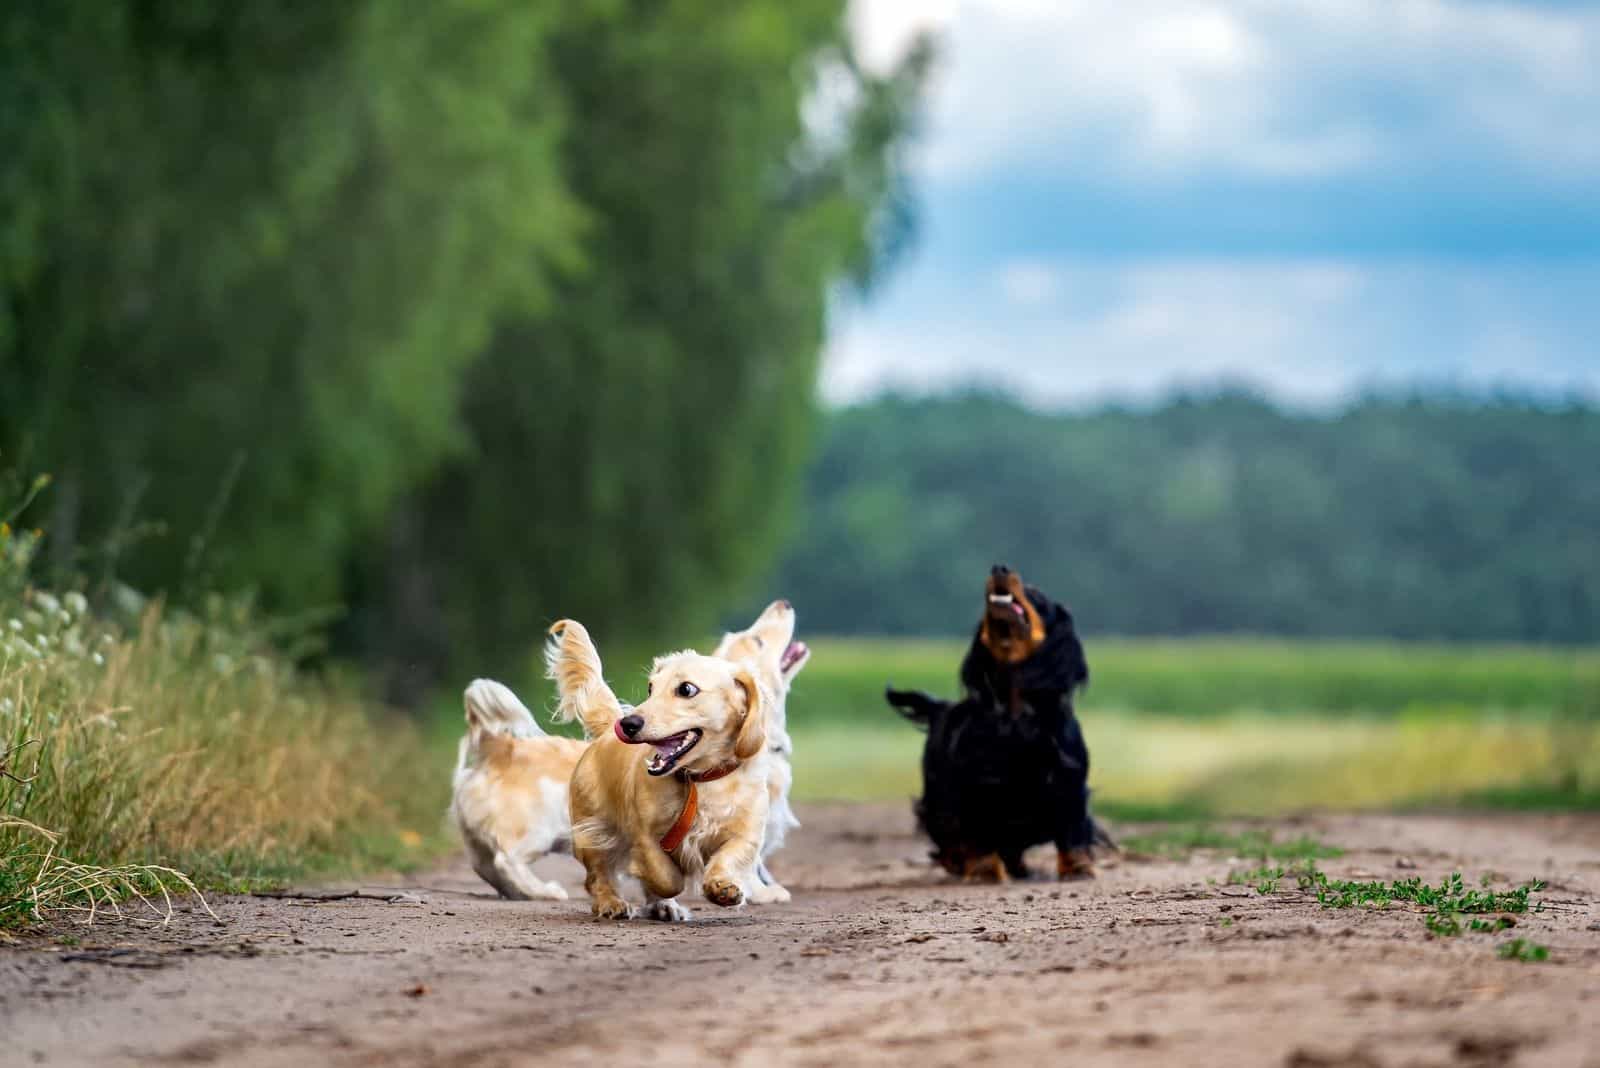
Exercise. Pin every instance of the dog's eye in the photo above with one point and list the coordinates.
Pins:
(649, 688)
(686, 690)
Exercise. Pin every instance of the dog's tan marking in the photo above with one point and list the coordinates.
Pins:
(988, 868)
(1076, 863)
(998, 629)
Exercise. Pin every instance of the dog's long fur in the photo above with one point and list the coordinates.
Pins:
(621, 811)
(510, 797)
(511, 782)
(768, 648)
(1006, 767)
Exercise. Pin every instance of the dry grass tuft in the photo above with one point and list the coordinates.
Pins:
(179, 751)
(52, 886)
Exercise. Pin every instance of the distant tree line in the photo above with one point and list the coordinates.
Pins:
(463, 314)
(1433, 516)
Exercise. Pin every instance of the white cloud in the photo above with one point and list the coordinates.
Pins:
(1028, 282)
(1258, 87)
(1307, 331)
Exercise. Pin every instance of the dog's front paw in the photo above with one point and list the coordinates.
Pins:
(769, 894)
(612, 908)
(667, 911)
(722, 891)
(988, 868)
(1075, 863)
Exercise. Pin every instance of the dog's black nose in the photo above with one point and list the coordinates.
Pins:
(631, 725)
(999, 571)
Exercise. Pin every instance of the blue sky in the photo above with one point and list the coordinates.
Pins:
(1119, 198)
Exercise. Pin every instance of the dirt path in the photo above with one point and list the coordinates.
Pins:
(876, 961)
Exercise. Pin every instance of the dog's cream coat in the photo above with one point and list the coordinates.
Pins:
(510, 800)
(705, 715)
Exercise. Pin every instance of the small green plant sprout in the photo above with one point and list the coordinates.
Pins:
(1443, 924)
(1267, 877)
(1523, 950)
(1441, 903)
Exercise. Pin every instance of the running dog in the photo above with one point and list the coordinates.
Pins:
(510, 798)
(696, 805)
(768, 647)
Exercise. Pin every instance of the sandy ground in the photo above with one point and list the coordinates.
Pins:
(878, 960)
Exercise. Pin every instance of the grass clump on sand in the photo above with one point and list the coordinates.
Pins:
(1523, 950)
(1442, 906)
(147, 751)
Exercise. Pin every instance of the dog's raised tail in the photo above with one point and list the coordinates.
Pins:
(573, 663)
(493, 709)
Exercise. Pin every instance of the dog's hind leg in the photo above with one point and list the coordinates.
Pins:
(599, 881)
(767, 890)
(1075, 836)
(514, 873)
(1012, 859)
(1075, 830)
(665, 909)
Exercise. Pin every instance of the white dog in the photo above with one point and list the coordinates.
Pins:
(768, 647)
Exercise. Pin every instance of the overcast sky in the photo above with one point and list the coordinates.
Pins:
(1121, 197)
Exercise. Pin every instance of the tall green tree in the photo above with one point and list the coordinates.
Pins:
(253, 246)
(635, 447)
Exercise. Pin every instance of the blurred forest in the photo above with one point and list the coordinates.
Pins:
(457, 318)
(463, 315)
(1430, 516)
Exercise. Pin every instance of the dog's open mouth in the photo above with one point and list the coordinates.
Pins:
(793, 653)
(1001, 603)
(670, 750)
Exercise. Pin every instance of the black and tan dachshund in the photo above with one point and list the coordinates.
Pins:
(1006, 767)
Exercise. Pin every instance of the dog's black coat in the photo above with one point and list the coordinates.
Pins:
(1006, 767)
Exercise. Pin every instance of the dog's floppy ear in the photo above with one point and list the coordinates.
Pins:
(753, 731)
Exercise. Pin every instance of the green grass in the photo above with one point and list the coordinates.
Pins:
(1219, 678)
(1521, 949)
(1183, 839)
(1442, 906)
(1205, 728)
(1449, 897)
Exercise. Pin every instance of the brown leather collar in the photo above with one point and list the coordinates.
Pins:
(691, 804)
(709, 776)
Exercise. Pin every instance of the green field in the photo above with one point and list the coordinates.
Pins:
(1247, 726)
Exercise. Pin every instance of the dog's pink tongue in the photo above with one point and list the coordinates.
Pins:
(667, 746)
